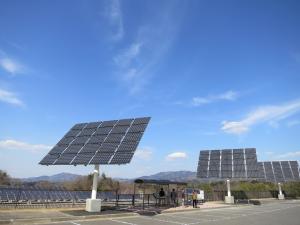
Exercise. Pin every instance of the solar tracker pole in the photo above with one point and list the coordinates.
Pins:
(280, 195)
(229, 199)
(93, 204)
(228, 188)
(95, 182)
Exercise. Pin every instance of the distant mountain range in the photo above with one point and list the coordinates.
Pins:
(172, 175)
(54, 178)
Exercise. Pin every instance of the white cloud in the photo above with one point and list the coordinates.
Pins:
(289, 155)
(144, 153)
(176, 155)
(19, 145)
(226, 96)
(11, 66)
(114, 15)
(128, 55)
(10, 97)
(140, 60)
(262, 114)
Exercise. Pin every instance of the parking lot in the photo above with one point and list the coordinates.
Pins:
(278, 213)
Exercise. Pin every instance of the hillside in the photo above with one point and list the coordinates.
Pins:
(54, 178)
(173, 176)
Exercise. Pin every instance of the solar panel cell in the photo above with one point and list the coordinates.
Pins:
(127, 147)
(72, 133)
(109, 123)
(101, 158)
(58, 149)
(114, 138)
(121, 158)
(144, 120)
(66, 140)
(137, 128)
(103, 130)
(80, 140)
(93, 125)
(90, 148)
(108, 147)
(73, 149)
(132, 137)
(65, 159)
(119, 129)
(82, 158)
(49, 159)
(79, 126)
(87, 132)
(123, 122)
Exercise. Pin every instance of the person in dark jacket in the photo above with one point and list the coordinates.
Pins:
(173, 197)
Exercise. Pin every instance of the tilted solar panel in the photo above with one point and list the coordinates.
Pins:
(280, 171)
(228, 163)
(107, 142)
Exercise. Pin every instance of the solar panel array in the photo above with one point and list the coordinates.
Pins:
(228, 163)
(279, 171)
(106, 142)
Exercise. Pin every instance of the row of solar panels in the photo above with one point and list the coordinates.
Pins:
(242, 164)
(279, 171)
(107, 142)
(15, 195)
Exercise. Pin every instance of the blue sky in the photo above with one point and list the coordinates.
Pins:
(211, 74)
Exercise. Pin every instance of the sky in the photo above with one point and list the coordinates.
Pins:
(210, 74)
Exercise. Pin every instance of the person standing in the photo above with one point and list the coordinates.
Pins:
(161, 196)
(182, 197)
(194, 197)
(173, 197)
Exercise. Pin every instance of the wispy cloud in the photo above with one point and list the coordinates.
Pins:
(226, 96)
(10, 98)
(128, 55)
(11, 144)
(289, 155)
(260, 115)
(144, 153)
(140, 60)
(11, 66)
(176, 155)
(115, 18)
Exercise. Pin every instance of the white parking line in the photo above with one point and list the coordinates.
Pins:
(75, 223)
(185, 217)
(121, 221)
(162, 220)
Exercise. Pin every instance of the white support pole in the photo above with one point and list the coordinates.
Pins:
(228, 188)
(280, 195)
(279, 187)
(93, 204)
(95, 182)
(229, 199)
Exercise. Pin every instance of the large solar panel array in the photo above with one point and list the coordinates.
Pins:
(279, 171)
(228, 163)
(106, 142)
